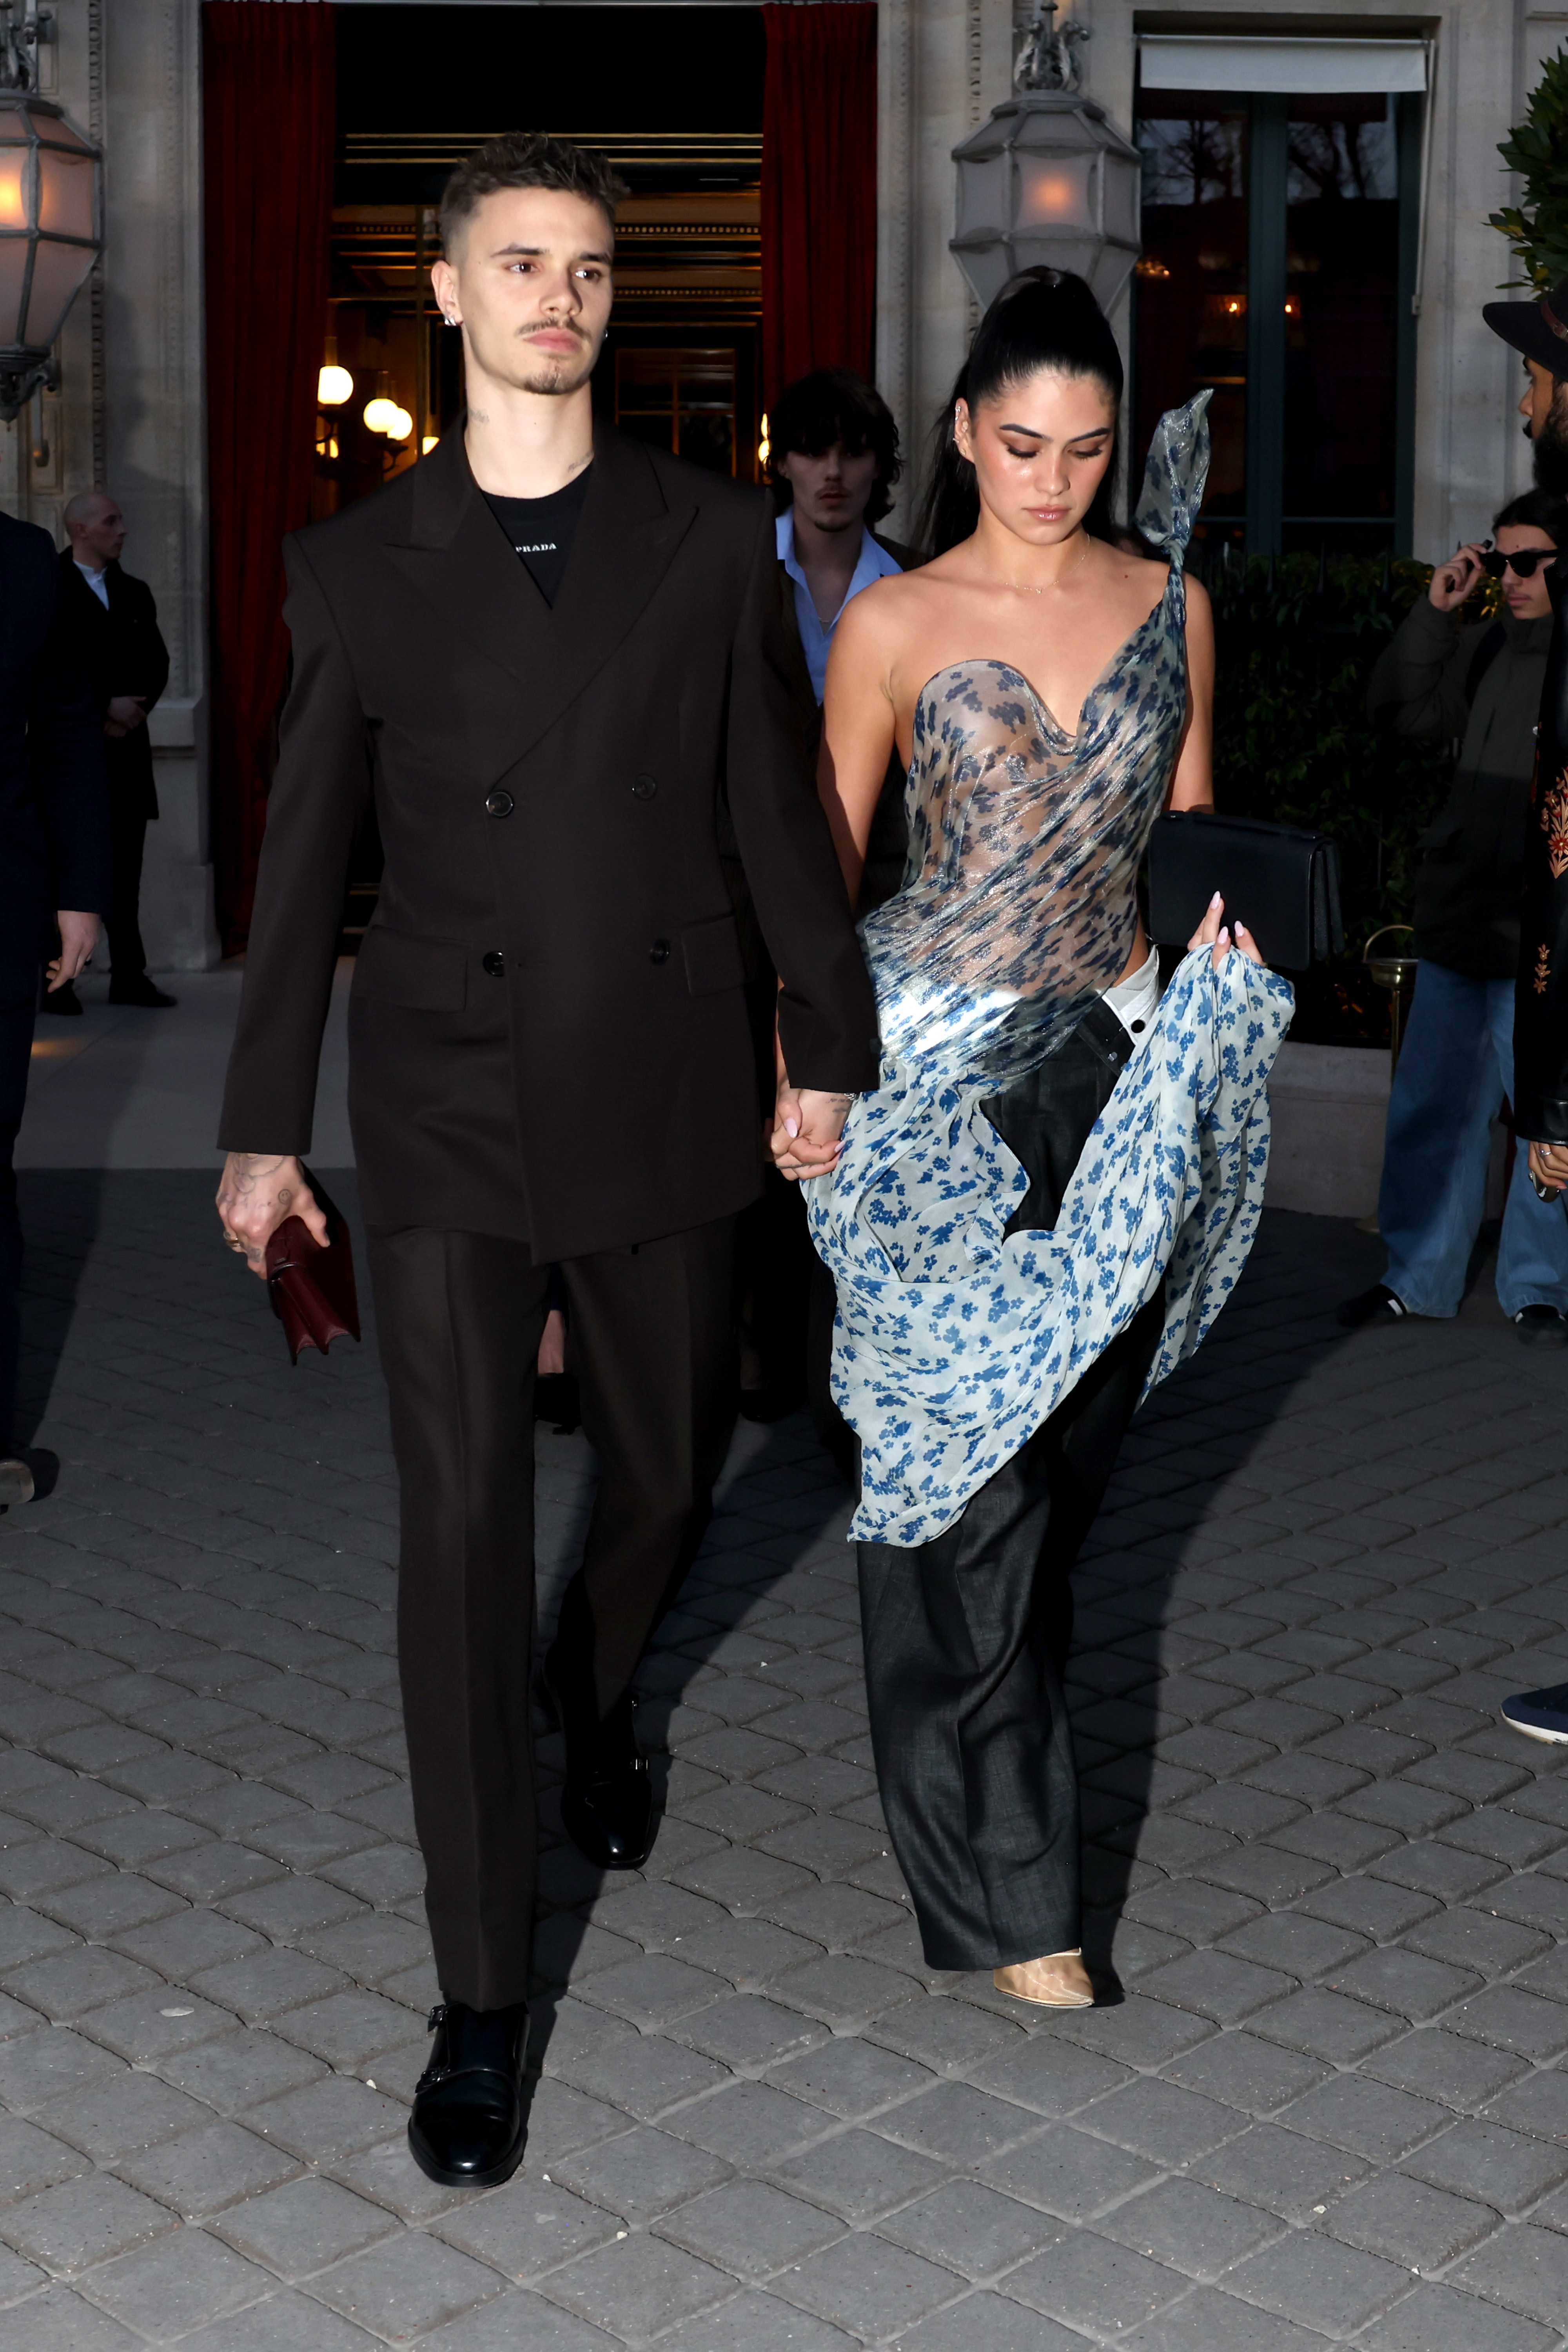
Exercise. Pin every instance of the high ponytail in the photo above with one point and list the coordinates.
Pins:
(1041, 318)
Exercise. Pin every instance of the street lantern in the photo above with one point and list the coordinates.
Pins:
(51, 219)
(1048, 180)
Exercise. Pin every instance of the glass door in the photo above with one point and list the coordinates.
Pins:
(1277, 270)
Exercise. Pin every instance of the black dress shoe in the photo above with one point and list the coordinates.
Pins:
(606, 1804)
(140, 991)
(469, 2123)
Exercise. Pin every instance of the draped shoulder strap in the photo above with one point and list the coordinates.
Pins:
(1174, 476)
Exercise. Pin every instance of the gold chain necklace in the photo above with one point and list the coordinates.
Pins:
(1024, 588)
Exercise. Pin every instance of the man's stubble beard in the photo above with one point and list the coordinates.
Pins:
(1550, 446)
(558, 378)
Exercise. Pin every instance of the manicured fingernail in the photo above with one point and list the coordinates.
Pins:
(1217, 900)
(792, 1126)
(1225, 935)
(1241, 930)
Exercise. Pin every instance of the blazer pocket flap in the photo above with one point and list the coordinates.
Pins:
(424, 975)
(713, 959)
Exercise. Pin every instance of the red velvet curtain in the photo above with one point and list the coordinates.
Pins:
(268, 117)
(820, 189)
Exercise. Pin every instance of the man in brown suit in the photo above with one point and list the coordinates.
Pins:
(547, 655)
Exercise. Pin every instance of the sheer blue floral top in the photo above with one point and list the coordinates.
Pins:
(953, 1343)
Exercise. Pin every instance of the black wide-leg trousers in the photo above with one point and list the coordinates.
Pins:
(967, 1636)
(652, 1339)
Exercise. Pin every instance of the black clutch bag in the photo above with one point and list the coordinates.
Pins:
(1282, 882)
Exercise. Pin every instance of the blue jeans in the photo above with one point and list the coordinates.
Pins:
(1455, 1068)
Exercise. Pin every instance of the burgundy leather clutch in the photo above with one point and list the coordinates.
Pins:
(312, 1288)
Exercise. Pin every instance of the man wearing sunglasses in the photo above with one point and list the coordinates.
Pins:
(1478, 684)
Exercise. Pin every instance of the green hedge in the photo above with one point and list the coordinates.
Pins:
(1296, 640)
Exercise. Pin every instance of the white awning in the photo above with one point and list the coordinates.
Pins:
(1270, 62)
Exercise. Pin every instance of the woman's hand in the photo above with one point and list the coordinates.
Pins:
(806, 1130)
(1213, 933)
(1452, 582)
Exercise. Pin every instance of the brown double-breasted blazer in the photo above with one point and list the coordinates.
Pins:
(548, 1035)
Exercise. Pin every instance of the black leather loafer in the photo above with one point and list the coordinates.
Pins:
(469, 2123)
(606, 1804)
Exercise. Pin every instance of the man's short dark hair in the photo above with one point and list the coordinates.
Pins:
(527, 159)
(1536, 510)
(834, 404)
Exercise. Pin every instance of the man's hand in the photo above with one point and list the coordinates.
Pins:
(258, 1190)
(807, 1128)
(124, 713)
(78, 937)
(1452, 582)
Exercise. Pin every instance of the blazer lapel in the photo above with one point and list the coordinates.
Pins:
(458, 559)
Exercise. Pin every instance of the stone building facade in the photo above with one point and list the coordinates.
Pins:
(129, 408)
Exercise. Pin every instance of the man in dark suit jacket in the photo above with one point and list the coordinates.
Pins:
(54, 876)
(113, 623)
(547, 655)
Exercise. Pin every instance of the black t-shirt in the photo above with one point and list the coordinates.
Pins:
(541, 530)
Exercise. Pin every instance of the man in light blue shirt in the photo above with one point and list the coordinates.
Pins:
(834, 458)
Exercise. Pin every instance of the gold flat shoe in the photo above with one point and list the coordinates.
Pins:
(1062, 2000)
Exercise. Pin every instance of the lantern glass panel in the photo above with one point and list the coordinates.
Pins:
(13, 166)
(983, 194)
(1120, 199)
(65, 193)
(57, 274)
(14, 252)
(1055, 191)
(61, 133)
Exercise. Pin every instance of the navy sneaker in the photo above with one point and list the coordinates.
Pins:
(1378, 1304)
(1540, 1715)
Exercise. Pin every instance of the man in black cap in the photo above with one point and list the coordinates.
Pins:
(1539, 330)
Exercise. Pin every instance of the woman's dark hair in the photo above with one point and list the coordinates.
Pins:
(1041, 318)
(834, 404)
(1537, 510)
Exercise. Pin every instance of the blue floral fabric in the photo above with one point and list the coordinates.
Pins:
(953, 1344)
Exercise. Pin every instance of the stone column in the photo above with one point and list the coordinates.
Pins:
(154, 431)
(943, 64)
(128, 415)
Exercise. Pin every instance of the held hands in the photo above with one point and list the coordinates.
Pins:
(807, 1126)
(1452, 582)
(78, 937)
(124, 713)
(1213, 933)
(255, 1193)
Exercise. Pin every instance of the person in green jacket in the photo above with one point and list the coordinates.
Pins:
(1481, 685)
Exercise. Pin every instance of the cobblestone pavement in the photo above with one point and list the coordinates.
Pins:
(1333, 1887)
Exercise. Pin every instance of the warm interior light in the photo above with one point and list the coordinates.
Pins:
(380, 413)
(400, 425)
(430, 442)
(765, 447)
(13, 201)
(333, 387)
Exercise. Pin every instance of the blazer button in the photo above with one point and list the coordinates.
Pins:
(645, 787)
(495, 964)
(659, 951)
(499, 803)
